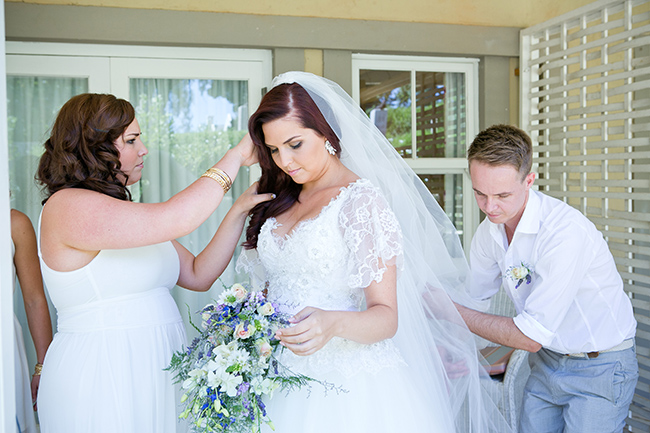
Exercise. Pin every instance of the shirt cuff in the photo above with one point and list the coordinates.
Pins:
(532, 329)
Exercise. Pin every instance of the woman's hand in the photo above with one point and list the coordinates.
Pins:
(246, 150)
(312, 330)
(249, 199)
(36, 381)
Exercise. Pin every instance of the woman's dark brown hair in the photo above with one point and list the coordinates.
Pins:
(285, 100)
(80, 152)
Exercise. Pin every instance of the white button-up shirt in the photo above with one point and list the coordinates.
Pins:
(573, 300)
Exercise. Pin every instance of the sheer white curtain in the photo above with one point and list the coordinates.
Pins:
(32, 104)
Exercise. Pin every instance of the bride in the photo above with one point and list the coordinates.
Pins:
(359, 251)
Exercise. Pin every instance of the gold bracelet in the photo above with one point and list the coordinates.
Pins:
(220, 176)
(226, 182)
(37, 369)
(221, 173)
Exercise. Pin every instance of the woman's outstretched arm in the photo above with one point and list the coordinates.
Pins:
(200, 272)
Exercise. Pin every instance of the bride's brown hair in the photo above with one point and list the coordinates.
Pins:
(284, 100)
(80, 152)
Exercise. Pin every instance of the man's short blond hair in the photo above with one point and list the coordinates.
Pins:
(503, 145)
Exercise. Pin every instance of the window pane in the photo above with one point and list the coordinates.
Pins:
(188, 125)
(440, 114)
(32, 105)
(448, 191)
(440, 110)
(385, 96)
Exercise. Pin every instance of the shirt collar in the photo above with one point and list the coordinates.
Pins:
(530, 219)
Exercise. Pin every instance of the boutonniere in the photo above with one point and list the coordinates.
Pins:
(520, 274)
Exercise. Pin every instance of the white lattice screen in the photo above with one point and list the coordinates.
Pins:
(586, 103)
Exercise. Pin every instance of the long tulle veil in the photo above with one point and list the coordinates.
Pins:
(439, 349)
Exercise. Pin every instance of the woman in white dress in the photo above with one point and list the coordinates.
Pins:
(109, 265)
(27, 270)
(358, 250)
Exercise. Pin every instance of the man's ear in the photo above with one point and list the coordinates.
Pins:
(529, 180)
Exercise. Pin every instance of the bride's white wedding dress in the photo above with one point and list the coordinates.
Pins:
(326, 262)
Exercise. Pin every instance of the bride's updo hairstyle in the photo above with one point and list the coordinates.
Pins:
(285, 100)
(80, 152)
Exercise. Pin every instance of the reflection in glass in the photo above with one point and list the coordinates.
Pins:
(386, 98)
(440, 111)
(440, 114)
(448, 191)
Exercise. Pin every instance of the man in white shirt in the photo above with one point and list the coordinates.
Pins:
(572, 312)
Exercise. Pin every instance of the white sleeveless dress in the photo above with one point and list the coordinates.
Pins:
(24, 409)
(326, 262)
(118, 327)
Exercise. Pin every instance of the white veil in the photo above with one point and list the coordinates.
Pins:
(432, 337)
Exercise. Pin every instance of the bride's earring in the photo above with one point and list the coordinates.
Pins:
(330, 149)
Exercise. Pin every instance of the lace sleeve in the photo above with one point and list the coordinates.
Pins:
(249, 262)
(372, 234)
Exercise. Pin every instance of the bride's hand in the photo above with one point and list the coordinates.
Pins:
(312, 330)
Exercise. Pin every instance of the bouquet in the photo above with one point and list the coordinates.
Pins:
(232, 364)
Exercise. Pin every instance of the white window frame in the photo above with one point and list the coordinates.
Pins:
(467, 66)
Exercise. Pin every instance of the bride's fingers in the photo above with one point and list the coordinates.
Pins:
(291, 331)
(294, 336)
(302, 315)
(303, 349)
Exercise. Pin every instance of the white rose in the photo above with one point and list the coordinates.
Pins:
(266, 309)
(239, 291)
(264, 347)
(243, 332)
(519, 273)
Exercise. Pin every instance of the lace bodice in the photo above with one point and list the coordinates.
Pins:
(326, 262)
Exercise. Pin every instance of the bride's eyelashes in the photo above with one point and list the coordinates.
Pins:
(274, 150)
